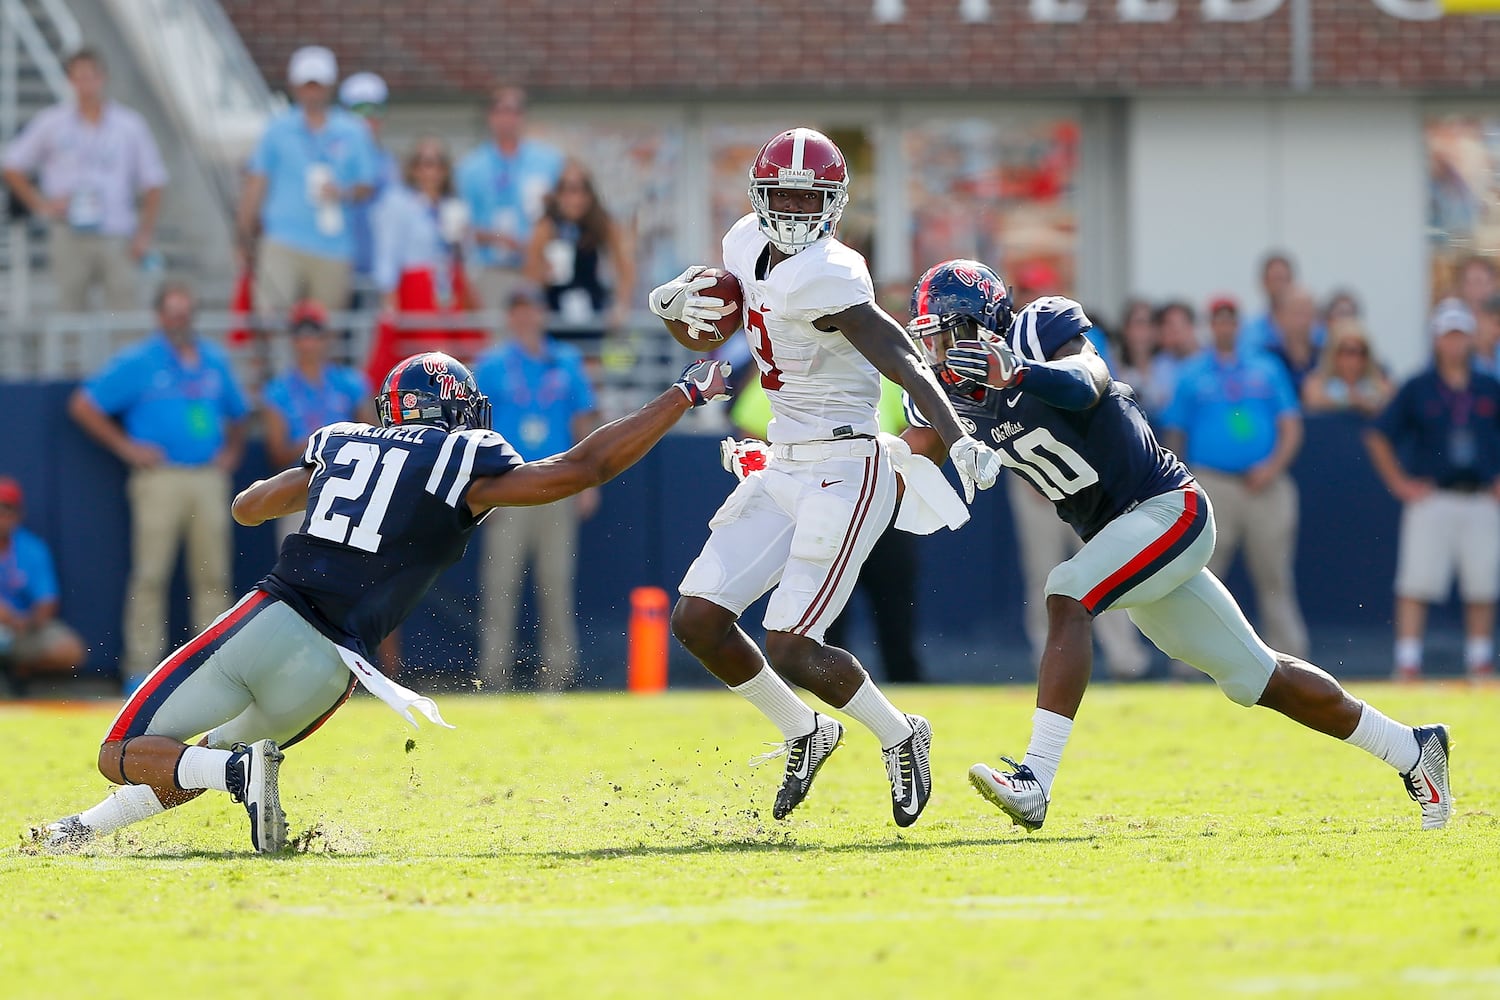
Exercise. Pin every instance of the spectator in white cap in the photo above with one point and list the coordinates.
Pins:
(1437, 448)
(365, 94)
(313, 164)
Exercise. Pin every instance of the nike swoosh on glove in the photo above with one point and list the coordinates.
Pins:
(668, 300)
(743, 457)
(704, 381)
(977, 361)
(978, 465)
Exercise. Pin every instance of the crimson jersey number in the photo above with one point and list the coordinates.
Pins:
(760, 346)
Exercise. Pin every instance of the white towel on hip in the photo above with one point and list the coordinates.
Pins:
(401, 699)
(929, 502)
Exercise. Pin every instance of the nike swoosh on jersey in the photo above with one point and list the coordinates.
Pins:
(831, 482)
(1013, 400)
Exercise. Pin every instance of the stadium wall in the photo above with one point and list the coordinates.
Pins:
(652, 523)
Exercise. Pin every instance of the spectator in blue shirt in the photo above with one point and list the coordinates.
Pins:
(1437, 449)
(1277, 275)
(181, 431)
(505, 183)
(311, 394)
(32, 639)
(1238, 415)
(543, 403)
(312, 165)
(365, 95)
(1177, 326)
(1297, 322)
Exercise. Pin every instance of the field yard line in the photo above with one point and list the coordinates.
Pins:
(1316, 983)
(755, 910)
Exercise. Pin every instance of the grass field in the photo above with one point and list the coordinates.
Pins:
(609, 846)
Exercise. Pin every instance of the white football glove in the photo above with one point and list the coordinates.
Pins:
(978, 465)
(743, 457)
(972, 360)
(704, 381)
(678, 300)
(701, 312)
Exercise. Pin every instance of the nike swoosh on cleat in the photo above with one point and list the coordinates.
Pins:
(1436, 798)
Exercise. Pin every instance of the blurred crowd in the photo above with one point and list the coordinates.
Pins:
(1227, 390)
(330, 219)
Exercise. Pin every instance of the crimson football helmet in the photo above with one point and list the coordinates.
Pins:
(804, 159)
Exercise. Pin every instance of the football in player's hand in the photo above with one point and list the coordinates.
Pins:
(726, 287)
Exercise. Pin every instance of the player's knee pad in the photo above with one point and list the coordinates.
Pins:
(1066, 580)
(1244, 687)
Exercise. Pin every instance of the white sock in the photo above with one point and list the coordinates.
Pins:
(1479, 651)
(1385, 738)
(203, 767)
(129, 804)
(1408, 654)
(1049, 735)
(778, 702)
(874, 711)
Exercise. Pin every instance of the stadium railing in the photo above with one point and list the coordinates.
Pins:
(630, 366)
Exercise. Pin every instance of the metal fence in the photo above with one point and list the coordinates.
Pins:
(628, 366)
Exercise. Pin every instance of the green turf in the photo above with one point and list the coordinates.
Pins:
(606, 845)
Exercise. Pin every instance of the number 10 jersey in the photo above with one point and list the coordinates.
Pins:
(1093, 464)
(386, 514)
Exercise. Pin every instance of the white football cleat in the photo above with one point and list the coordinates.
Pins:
(804, 755)
(1427, 783)
(251, 776)
(1017, 793)
(66, 835)
(908, 766)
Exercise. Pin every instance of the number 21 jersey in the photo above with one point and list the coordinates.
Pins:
(386, 514)
(819, 386)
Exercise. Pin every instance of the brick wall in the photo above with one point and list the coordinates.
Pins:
(449, 48)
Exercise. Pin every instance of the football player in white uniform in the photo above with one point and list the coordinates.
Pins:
(805, 522)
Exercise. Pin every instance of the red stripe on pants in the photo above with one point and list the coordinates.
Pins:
(1145, 556)
(175, 662)
(862, 507)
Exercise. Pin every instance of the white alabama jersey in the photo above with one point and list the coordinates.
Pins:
(820, 387)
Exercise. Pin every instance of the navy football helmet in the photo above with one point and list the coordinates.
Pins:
(433, 390)
(957, 300)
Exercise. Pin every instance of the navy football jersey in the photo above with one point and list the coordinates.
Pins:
(385, 516)
(1092, 464)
